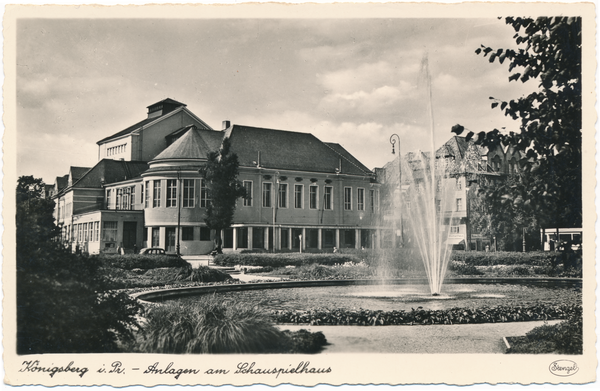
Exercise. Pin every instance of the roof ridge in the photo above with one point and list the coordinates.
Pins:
(342, 156)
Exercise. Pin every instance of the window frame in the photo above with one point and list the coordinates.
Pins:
(282, 195)
(171, 197)
(315, 199)
(328, 198)
(267, 194)
(298, 196)
(249, 194)
(348, 198)
(156, 193)
(360, 204)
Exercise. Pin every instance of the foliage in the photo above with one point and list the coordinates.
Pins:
(210, 325)
(220, 174)
(563, 338)
(532, 258)
(62, 306)
(139, 261)
(420, 316)
(548, 186)
(282, 259)
(207, 274)
(463, 268)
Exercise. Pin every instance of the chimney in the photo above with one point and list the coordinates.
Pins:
(226, 124)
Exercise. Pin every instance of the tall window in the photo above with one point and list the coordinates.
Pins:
(438, 205)
(313, 197)
(189, 186)
(347, 198)
(85, 232)
(108, 198)
(132, 198)
(203, 194)
(266, 195)
(109, 232)
(458, 204)
(298, 191)
(372, 200)
(283, 195)
(119, 197)
(458, 184)
(156, 194)
(171, 193)
(361, 199)
(147, 199)
(96, 230)
(328, 198)
(155, 237)
(248, 198)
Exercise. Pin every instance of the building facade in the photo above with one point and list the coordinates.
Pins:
(146, 191)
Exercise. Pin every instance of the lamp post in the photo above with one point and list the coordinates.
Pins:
(393, 142)
(178, 246)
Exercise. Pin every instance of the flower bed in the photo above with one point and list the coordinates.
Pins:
(427, 317)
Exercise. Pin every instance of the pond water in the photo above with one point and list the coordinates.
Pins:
(400, 297)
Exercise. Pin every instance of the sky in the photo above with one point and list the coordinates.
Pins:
(350, 81)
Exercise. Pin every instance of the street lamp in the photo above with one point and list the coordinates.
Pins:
(393, 142)
(275, 204)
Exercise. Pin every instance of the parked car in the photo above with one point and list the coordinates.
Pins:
(156, 251)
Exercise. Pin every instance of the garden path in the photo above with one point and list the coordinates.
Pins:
(469, 338)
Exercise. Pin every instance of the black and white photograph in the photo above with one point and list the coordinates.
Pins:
(299, 194)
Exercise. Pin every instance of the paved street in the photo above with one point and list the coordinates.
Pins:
(479, 338)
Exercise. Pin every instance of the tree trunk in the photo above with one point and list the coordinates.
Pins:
(218, 242)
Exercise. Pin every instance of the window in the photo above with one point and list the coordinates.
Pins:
(298, 191)
(458, 184)
(283, 195)
(372, 200)
(147, 199)
(96, 231)
(266, 195)
(328, 198)
(438, 205)
(204, 234)
(131, 205)
(80, 232)
(248, 197)
(85, 232)
(142, 193)
(171, 193)
(347, 198)
(118, 200)
(203, 194)
(361, 199)
(313, 197)
(156, 194)
(189, 186)
(109, 232)
(458, 204)
(454, 230)
(155, 237)
(108, 198)
(187, 233)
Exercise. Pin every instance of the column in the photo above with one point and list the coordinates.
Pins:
(290, 244)
(235, 233)
(250, 238)
(337, 238)
(320, 239)
(302, 243)
(357, 239)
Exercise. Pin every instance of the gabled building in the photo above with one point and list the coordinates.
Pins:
(146, 190)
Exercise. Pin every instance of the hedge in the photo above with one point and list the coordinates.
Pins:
(283, 259)
(138, 261)
(532, 258)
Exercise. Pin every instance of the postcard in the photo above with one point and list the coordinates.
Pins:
(299, 194)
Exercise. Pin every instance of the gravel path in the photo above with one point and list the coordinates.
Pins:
(476, 338)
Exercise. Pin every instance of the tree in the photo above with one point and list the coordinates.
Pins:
(63, 305)
(550, 131)
(220, 174)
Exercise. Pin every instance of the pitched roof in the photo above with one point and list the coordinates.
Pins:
(287, 150)
(77, 172)
(168, 101)
(62, 182)
(191, 145)
(128, 130)
(108, 171)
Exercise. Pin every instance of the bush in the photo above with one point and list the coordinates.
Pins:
(462, 268)
(563, 338)
(303, 341)
(206, 274)
(63, 307)
(138, 261)
(532, 258)
(210, 325)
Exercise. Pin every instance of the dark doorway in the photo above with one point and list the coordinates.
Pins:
(129, 234)
(170, 240)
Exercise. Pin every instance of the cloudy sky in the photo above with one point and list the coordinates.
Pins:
(351, 81)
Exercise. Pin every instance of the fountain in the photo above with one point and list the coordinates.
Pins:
(426, 202)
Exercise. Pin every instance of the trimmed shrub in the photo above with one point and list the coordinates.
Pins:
(532, 258)
(282, 259)
(138, 261)
(303, 341)
(206, 274)
(462, 268)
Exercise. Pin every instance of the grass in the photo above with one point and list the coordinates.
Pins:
(210, 325)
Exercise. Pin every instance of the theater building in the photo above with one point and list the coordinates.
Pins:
(302, 194)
